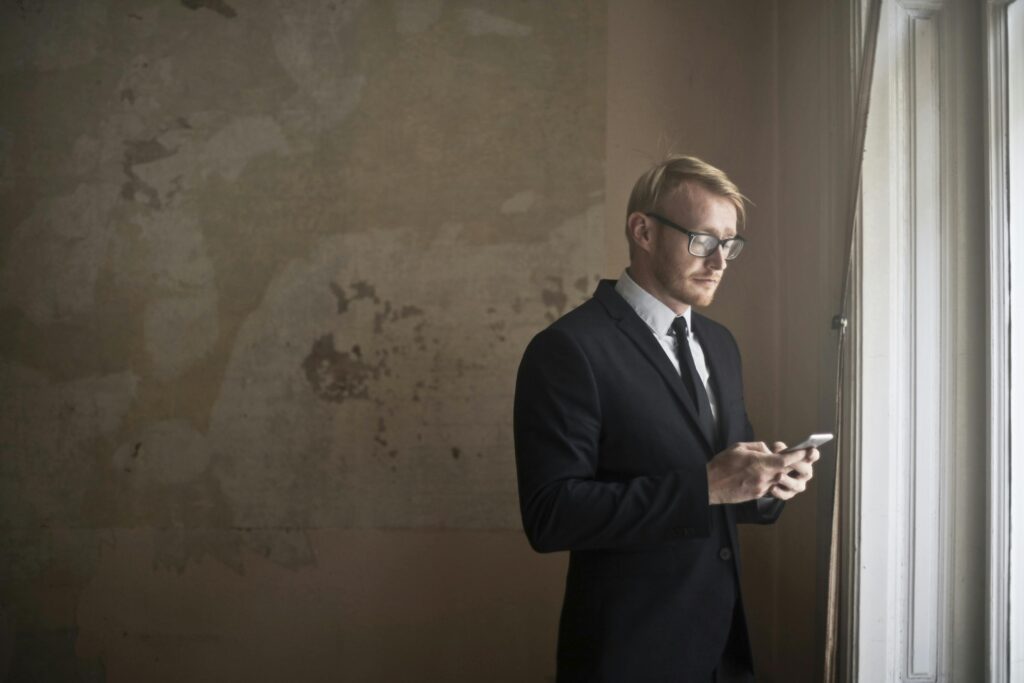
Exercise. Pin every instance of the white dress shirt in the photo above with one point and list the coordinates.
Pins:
(659, 318)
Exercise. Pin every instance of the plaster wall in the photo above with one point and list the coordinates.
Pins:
(266, 272)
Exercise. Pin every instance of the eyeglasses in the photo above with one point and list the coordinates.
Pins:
(702, 244)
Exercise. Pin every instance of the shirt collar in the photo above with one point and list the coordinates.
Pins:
(657, 315)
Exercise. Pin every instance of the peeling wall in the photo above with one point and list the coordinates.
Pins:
(266, 272)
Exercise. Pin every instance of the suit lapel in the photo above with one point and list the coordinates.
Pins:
(715, 355)
(638, 332)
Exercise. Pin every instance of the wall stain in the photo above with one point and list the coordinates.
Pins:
(142, 152)
(135, 454)
(380, 316)
(26, 6)
(408, 311)
(418, 339)
(219, 6)
(176, 186)
(338, 376)
(364, 290)
(390, 314)
(456, 453)
(358, 290)
(498, 328)
(146, 151)
(340, 296)
(554, 298)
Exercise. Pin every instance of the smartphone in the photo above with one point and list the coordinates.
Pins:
(813, 441)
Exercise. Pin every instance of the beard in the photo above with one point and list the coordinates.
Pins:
(683, 286)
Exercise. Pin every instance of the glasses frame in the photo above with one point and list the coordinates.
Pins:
(691, 234)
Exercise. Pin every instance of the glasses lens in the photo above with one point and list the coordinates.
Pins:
(703, 245)
(733, 248)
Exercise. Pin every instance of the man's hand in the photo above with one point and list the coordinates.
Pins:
(795, 480)
(748, 471)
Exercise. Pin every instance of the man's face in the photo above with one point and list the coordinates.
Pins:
(682, 277)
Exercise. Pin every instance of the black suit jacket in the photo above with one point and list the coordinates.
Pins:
(611, 462)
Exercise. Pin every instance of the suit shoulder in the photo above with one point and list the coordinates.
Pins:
(714, 331)
(569, 337)
(580, 322)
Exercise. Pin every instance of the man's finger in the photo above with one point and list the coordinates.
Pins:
(794, 457)
(780, 493)
(791, 485)
(802, 470)
(786, 461)
(778, 446)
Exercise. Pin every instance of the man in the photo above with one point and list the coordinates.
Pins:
(634, 450)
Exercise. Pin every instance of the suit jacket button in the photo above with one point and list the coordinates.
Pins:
(725, 554)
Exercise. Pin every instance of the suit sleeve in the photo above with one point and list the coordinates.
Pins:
(564, 505)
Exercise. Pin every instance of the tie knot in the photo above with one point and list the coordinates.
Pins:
(680, 327)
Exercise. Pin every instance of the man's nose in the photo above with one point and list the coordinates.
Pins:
(716, 259)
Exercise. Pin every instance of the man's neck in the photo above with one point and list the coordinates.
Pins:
(650, 285)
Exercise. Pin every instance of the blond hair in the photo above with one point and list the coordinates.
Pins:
(676, 169)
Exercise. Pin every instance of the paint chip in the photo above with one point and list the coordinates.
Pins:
(219, 6)
(337, 376)
(479, 23)
(519, 203)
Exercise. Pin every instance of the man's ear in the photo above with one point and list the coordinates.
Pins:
(639, 231)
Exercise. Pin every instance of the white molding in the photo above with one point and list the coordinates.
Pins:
(1015, 133)
(922, 5)
(904, 405)
(930, 274)
(1004, 38)
(875, 490)
(928, 321)
(998, 360)
(901, 539)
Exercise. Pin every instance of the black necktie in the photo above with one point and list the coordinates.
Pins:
(692, 380)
